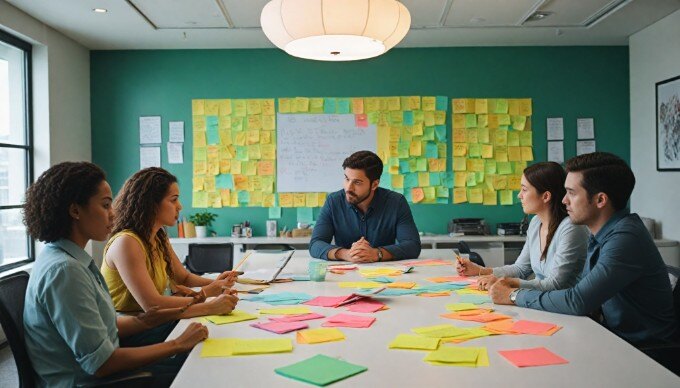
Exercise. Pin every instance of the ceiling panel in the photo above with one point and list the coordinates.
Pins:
(572, 12)
(489, 13)
(245, 13)
(182, 13)
(425, 12)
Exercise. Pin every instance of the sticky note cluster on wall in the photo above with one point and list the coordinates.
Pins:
(492, 144)
(234, 153)
(412, 143)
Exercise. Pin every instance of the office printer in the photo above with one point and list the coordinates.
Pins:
(468, 226)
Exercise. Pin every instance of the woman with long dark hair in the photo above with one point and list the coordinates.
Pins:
(72, 331)
(141, 268)
(555, 249)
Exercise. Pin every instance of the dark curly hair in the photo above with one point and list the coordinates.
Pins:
(46, 211)
(367, 161)
(136, 207)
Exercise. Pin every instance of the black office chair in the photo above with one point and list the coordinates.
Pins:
(12, 296)
(273, 247)
(475, 257)
(204, 258)
(668, 355)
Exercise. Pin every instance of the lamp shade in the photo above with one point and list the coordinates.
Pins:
(335, 30)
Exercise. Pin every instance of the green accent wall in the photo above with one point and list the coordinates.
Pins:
(568, 82)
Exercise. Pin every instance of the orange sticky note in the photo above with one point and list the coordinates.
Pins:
(265, 167)
(417, 194)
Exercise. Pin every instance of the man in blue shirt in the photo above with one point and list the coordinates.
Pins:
(624, 274)
(369, 223)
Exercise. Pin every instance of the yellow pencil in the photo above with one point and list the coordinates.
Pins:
(242, 261)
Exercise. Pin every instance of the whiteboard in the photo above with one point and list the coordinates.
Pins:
(310, 149)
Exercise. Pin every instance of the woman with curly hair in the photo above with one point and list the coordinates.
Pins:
(139, 263)
(71, 328)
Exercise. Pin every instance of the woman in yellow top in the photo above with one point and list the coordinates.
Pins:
(139, 263)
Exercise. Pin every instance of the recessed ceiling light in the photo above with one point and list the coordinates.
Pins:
(99, 10)
(538, 15)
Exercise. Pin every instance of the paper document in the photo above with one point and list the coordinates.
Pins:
(150, 130)
(149, 157)
(585, 128)
(175, 153)
(176, 131)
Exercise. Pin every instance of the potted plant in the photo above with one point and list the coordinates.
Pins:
(202, 220)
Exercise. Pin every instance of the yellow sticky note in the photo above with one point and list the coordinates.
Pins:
(501, 137)
(268, 200)
(299, 200)
(297, 310)
(423, 179)
(459, 164)
(217, 347)
(254, 122)
(266, 137)
(506, 197)
(316, 105)
(212, 107)
(490, 197)
(398, 181)
(254, 106)
(268, 122)
(525, 138)
(234, 316)
(268, 106)
(200, 199)
(487, 151)
(459, 195)
(527, 154)
(321, 198)
(357, 105)
(240, 182)
(393, 103)
(240, 138)
(429, 103)
(413, 103)
(224, 123)
(302, 104)
(459, 179)
(262, 346)
(415, 149)
(200, 167)
(236, 167)
(513, 138)
(519, 122)
(311, 200)
(286, 199)
(360, 284)
(476, 196)
(525, 107)
(458, 121)
(197, 107)
(460, 149)
(226, 197)
(514, 154)
(284, 105)
(514, 182)
(481, 105)
(254, 152)
(268, 151)
(414, 342)
(239, 108)
(199, 139)
(198, 182)
(315, 336)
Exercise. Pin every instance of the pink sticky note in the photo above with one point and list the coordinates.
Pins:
(280, 327)
(327, 301)
(532, 357)
(365, 306)
(531, 327)
(361, 120)
(296, 318)
(347, 320)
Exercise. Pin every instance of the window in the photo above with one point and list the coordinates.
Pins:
(16, 149)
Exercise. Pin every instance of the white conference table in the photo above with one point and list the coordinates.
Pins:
(597, 358)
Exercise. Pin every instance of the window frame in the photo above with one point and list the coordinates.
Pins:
(28, 127)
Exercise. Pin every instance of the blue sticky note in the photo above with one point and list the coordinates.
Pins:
(305, 215)
(442, 200)
(329, 105)
(440, 132)
(211, 122)
(224, 181)
(431, 150)
(243, 197)
(403, 167)
(448, 181)
(410, 180)
(242, 153)
(408, 117)
(435, 179)
(343, 105)
(213, 136)
(442, 103)
(386, 180)
(275, 213)
(407, 196)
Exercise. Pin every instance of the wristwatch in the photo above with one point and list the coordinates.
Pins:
(380, 255)
(513, 295)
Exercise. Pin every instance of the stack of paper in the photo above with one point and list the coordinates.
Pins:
(297, 318)
(327, 301)
(320, 370)
(280, 327)
(348, 320)
(234, 316)
(532, 357)
(283, 298)
(367, 305)
(227, 347)
(457, 356)
(317, 336)
(501, 327)
(414, 342)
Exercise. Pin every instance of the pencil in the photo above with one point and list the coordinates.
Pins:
(242, 261)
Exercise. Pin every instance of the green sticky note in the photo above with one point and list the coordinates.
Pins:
(506, 197)
(513, 138)
(320, 370)
(330, 105)
(490, 166)
(471, 180)
(525, 138)
(435, 179)
(373, 117)
(504, 168)
(200, 153)
(474, 150)
(428, 133)
(305, 215)
(224, 181)
(442, 192)
(200, 199)
(470, 120)
(343, 105)
(440, 132)
(421, 164)
(243, 197)
(213, 135)
(275, 213)
(242, 153)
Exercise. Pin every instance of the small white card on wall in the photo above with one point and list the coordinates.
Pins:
(150, 130)
(556, 151)
(555, 128)
(585, 128)
(176, 132)
(585, 147)
(149, 157)
(175, 153)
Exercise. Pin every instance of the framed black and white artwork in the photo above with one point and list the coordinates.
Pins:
(668, 125)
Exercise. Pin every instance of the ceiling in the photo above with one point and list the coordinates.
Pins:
(193, 24)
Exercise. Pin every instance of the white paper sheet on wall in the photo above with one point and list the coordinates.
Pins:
(555, 128)
(556, 151)
(585, 147)
(149, 157)
(175, 153)
(150, 130)
(176, 132)
(585, 128)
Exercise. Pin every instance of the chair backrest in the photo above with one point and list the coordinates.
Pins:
(474, 256)
(210, 258)
(12, 295)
